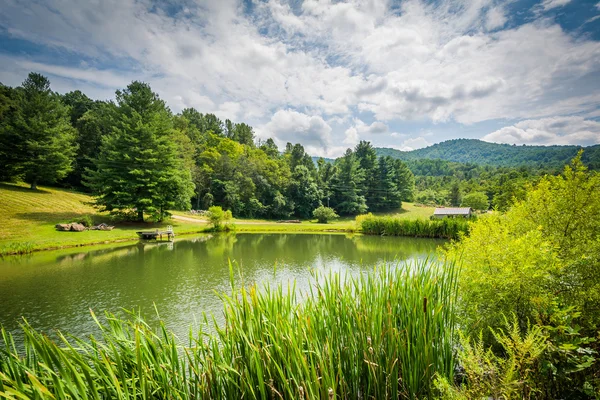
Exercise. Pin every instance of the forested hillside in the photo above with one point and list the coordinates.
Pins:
(501, 155)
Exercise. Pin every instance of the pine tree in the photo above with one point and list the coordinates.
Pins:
(37, 138)
(405, 180)
(347, 186)
(367, 160)
(138, 167)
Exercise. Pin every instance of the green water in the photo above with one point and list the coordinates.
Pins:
(55, 290)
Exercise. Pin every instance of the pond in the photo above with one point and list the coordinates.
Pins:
(56, 290)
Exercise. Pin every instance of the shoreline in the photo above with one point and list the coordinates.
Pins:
(266, 227)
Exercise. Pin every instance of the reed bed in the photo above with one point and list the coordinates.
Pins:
(447, 228)
(383, 334)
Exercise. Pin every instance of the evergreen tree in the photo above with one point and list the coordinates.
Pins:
(455, 195)
(37, 138)
(367, 159)
(8, 108)
(91, 126)
(386, 195)
(138, 167)
(347, 184)
(405, 180)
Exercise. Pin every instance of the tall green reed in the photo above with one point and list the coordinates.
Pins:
(447, 228)
(383, 334)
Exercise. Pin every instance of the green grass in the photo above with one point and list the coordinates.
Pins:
(446, 228)
(409, 211)
(385, 334)
(29, 216)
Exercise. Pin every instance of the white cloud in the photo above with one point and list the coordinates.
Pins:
(413, 144)
(550, 4)
(495, 18)
(452, 60)
(549, 131)
(351, 137)
(293, 126)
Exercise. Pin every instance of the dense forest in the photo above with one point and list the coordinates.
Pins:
(138, 158)
(500, 155)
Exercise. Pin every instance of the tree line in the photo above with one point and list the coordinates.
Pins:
(138, 158)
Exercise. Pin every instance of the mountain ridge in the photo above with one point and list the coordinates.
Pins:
(476, 151)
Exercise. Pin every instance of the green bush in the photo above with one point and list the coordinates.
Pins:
(87, 221)
(324, 214)
(218, 218)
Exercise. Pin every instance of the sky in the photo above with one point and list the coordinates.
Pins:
(403, 74)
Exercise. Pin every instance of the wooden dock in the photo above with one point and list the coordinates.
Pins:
(157, 235)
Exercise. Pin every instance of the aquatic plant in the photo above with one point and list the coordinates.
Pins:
(383, 334)
(447, 228)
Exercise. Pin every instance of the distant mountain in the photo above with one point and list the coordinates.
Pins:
(327, 160)
(500, 155)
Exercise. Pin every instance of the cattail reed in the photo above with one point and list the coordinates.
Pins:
(271, 345)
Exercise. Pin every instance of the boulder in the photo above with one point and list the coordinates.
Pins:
(63, 227)
(75, 227)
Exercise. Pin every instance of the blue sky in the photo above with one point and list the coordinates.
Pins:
(402, 74)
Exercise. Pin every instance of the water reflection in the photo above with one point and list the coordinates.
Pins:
(55, 290)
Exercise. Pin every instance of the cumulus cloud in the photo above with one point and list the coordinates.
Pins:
(549, 131)
(293, 126)
(452, 60)
(413, 144)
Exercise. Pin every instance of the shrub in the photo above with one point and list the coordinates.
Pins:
(324, 214)
(86, 221)
(218, 217)
(486, 375)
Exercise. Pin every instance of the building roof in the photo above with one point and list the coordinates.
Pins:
(452, 211)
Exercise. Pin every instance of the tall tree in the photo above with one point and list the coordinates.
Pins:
(38, 138)
(386, 194)
(304, 192)
(455, 195)
(405, 180)
(9, 106)
(367, 159)
(91, 126)
(347, 184)
(138, 167)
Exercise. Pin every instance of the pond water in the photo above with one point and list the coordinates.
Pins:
(56, 290)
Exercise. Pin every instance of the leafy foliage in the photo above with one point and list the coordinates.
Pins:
(475, 200)
(324, 214)
(540, 260)
(218, 218)
(371, 335)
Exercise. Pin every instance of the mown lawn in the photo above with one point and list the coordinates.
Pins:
(343, 224)
(29, 216)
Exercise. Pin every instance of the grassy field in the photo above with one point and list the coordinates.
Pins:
(29, 217)
(344, 224)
